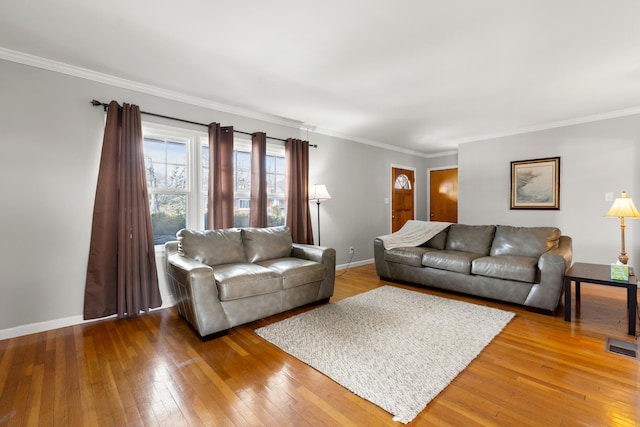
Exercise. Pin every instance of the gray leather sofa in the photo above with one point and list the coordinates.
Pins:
(521, 265)
(224, 278)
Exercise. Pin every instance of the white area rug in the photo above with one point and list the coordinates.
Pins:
(393, 347)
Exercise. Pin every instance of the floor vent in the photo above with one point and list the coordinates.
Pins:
(623, 348)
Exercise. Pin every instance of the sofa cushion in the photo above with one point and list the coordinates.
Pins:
(261, 244)
(409, 255)
(457, 261)
(475, 239)
(211, 247)
(241, 280)
(518, 268)
(295, 271)
(524, 241)
(439, 241)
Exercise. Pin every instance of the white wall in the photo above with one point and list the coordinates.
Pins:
(443, 161)
(51, 141)
(596, 158)
(358, 178)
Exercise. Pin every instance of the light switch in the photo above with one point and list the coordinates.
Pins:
(608, 197)
(386, 200)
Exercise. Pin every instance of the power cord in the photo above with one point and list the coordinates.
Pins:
(348, 265)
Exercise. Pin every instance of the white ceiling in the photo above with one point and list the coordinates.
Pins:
(423, 75)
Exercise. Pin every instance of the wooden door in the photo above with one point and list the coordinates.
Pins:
(443, 195)
(402, 192)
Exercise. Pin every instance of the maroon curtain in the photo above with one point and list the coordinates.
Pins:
(220, 195)
(122, 277)
(297, 190)
(258, 212)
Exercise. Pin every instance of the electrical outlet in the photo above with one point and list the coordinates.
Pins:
(351, 249)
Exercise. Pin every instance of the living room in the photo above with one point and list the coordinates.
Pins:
(52, 138)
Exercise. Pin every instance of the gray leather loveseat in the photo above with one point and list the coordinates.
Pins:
(224, 278)
(521, 265)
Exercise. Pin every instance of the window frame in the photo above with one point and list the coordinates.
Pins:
(194, 200)
(196, 189)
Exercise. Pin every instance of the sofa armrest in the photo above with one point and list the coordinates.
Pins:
(552, 264)
(319, 254)
(382, 268)
(323, 255)
(565, 250)
(196, 294)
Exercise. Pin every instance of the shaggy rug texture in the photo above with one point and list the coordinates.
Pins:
(393, 347)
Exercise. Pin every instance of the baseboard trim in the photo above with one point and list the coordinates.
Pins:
(355, 264)
(35, 328)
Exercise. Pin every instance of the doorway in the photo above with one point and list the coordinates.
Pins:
(402, 197)
(443, 195)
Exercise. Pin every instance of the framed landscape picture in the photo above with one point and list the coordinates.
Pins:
(535, 184)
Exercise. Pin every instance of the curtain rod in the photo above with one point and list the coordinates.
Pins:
(105, 106)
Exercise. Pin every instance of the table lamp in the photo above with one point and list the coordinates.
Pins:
(623, 208)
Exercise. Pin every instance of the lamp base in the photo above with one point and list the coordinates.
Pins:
(624, 260)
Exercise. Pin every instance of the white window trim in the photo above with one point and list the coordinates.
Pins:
(194, 190)
(195, 201)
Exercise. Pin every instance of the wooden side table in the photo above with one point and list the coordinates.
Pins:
(600, 275)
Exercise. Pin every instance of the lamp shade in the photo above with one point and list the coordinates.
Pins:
(623, 208)
(318, 192)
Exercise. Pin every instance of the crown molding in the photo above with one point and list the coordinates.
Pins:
(519, 131)
(95, 76)
(552, 125)
(87, 74)
(329, 132)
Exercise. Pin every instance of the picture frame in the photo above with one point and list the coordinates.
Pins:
(535, 184)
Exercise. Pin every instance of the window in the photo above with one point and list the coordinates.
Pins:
(204, 178)
(402, 183)
(275, 189)
(177, 170)
(241, 182)
(168, 167)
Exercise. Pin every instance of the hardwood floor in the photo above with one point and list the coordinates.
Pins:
(154, 371)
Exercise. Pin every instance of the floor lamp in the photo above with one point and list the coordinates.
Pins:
(623, 208)
(317, 193)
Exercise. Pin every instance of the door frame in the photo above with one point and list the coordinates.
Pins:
(439, 168)
(390, 191)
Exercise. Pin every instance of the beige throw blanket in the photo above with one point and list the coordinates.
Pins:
(413, 233)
